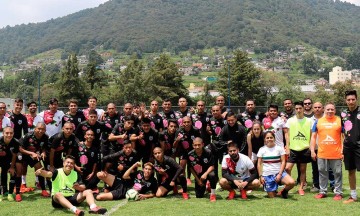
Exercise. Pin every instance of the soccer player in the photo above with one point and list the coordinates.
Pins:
(220, 101)
(275, 124)
(201, 163)
(86, 160)
(33, 147)
(120, 133)
(74, 115)
(9, 150)
(288, 109)
(68, 189)
(167, 113)
(308, 109)
(200, 120)
(110, 118)
(52, 118)
(143, 181)
(183, 110)
(255, 141)
(271, 167)
(128, 112)
(238, 172)
(351, 121)
(32, 118)
(250, 114)
(169, 174)
(328, 130)
(298, 143)
(145, 140)
(92, 102)
(233, 131)
(4, 121)
(19, 121)
(155, 116)
(167, 138)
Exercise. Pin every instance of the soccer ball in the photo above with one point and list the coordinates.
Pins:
(132, 195)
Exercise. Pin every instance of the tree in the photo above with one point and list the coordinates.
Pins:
(310, 64)
(244, 80)
(353, 59)
(70, 85)
(165, 81)
(95, 58)
(94, 75)
(339, 89)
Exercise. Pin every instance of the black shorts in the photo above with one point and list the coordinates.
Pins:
(118, 189)
(166, 184)
(303, 156)
(27, 160)
(71, 199)
(352, 158)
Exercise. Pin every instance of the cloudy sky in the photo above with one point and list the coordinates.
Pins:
(13, 12)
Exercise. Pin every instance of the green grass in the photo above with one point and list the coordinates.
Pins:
(257, 204)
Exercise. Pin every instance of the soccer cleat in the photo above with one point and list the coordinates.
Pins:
(212, 198)
(301, 192)
(337, 197)
(10, 197)
(231, 195)
(18, 198)
(284, 194)
(79, 212)
(350, 200)
(320, 196)
(188, 181)
(243, 194)
(23, 188)
(44, 193)
(185, 196)
(97, 210)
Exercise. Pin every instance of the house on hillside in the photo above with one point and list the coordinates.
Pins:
(2, 74)
(338, 75)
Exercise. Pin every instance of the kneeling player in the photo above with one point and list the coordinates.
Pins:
(238, 172)
(68, 191)
(168, 174)
(201, 163)
(143, 181)
(273, 171)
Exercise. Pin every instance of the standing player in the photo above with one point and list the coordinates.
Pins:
(308, 109)
(32, 118)
(4, 121)
(19, 121)
(275, 124)
(183, 110)
(167, 138)
(120, 133)
(351, 121)
(328, 130)
(220, 101)
(250, 114)
(52, 118)
(298, 143)
(255, 140)
(201, 163)
(238, 172)
(288, 109)
(92, 102)
(110, 118)
(271, 167)
(69, 190)
(157, 121)
(167, 112)
(74, 115)
(200, 120)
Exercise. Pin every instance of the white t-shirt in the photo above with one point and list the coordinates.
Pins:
(271, 158)
(277, 128)
(36, 120)
(243, 165)
(55, 125)
(6, 122)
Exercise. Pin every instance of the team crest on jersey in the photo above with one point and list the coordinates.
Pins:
(19, 121)
(158, 121)
(167, 167)
(116, 121)
(192, 137)
(97, 130)
(130, 158)
(172, 115)
(79, 119)
(207, 119)
(92, 154)
(148, 184)
(41, 144)
(151, 138)
(206, 160)
(70, 142)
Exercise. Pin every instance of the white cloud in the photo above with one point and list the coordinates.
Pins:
(13, 12)
(356, 2)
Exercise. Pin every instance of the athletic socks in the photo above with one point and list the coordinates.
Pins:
(73, 209)
(353, 194)
(23, 179)
(213, 191)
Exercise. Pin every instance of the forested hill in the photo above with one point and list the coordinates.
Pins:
(151, 25)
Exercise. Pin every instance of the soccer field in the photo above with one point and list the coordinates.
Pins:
(256, 204)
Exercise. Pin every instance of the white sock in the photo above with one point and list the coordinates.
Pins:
(23, 179)
(92, 206)
(73, 209)
(37, 179)
(353, 194)
(213, 191)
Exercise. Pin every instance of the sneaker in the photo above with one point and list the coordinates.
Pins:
(44, 193)
(79, 212)
(30, 189)
(10, 197)
(284, 194)
(301, 192)
(320, 196)
(23, 188)
(98, 210)
(279, 193)
(350, 200)
(188, 181)
(212, 198)
(185, 196)
(175, 190)
(304, 186)
(337, 197)
(314, 189)
(231, 195)
(243, 194)
(18, 198)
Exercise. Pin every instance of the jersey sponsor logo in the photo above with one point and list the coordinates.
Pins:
(130, 158)
(92, 154)
(299, 136)
(329, 140)
(19, 121)
(66, 189)
(206, 160)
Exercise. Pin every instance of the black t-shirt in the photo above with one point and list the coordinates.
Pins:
(201, 163)
(200, 121)
(179, 114)
(75, 119)
(257, 143)
(111, 121)
(136, 119)
(185, 144)
(167, 116)
(168, 140)
(245, 116)
(6, 150)
(29, 142)
(145, 146)
(98, 128)
(20, 124)
(216, 126)
(86, 157)
(144, 186)
(237, 134)
(157, 121)
(171, 168)
(63, 145)
(120, 158)
(352, 134)
(119, 129)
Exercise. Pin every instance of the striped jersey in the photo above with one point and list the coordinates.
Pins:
(271, 159)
